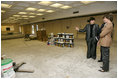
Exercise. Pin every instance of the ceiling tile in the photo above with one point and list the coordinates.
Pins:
(7, 2)
(18, 8)
(32, 2)
(77, 4)
(23, 4)
(66, 2)
(38, 6)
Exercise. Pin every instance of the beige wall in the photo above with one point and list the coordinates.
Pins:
(14, 26)
(57, 26)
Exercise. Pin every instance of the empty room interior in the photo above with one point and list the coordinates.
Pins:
(55, 39)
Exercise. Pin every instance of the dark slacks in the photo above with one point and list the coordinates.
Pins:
(101, 53)
(91, 48)
(105, 56)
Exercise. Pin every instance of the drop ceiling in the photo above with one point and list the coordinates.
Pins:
(24, 11)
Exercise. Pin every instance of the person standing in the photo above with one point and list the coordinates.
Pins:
(101, 59)
(105, 41)
(91, 30)
(98, 39)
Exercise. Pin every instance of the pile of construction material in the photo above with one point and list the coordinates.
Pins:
(62, 40)
(33, 36)
(41, 35)
(51, 39)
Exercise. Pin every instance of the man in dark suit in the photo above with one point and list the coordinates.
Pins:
(92, 30)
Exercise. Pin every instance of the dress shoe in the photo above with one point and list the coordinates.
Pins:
(99, 60)
(101, 67)
(102, 70)
(94, 58)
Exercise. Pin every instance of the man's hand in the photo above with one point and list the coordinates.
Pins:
(98, 43)
(76, 28)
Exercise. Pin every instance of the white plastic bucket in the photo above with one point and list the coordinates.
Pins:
(7, 68)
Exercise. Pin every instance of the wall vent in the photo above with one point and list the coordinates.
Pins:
(75, 12)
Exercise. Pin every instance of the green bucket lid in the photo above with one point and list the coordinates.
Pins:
(6, 61)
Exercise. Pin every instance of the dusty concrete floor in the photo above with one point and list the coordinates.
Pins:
(53, 61)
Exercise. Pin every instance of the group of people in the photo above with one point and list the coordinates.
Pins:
(102, 36)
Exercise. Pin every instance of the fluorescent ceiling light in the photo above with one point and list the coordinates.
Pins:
(31, 16)
(24, 16)
(5, 5)
(50, 11)
(16, 15)
(41, 10)
(45, 3)
(87, 2)
(65, 7)
(3, 11)
(56, 5)
(32, 13)
(39, 14)
(22, 13)
(31, 9)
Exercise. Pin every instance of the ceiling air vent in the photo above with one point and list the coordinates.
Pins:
(75, 12)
